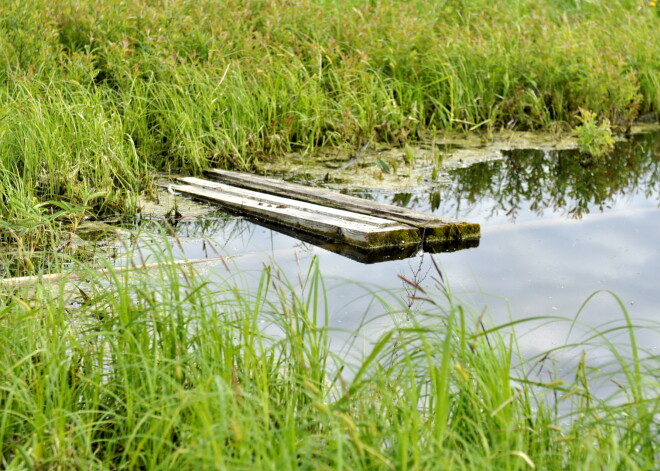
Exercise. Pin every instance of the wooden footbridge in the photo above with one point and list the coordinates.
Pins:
(318, 213)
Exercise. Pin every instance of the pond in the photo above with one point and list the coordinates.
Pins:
(556, 228)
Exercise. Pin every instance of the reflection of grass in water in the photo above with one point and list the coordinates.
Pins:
(203, 225)
(540, 180)
(169, 370)
(559, 180)
(215, 227)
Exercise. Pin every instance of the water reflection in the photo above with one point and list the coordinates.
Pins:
(561, 182)
(555, 228)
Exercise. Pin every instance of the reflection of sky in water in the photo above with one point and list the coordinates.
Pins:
(530, 262)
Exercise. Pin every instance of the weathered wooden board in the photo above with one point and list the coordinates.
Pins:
(435, 229)
(335, 224)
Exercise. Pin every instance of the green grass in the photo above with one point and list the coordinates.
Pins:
(168, 370)
(96, 96)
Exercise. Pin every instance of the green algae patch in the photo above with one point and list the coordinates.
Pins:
(418, 166)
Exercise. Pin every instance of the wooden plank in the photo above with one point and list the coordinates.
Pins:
(434, 228)
(275, 200)
(334, 224)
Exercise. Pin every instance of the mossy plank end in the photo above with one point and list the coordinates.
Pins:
(452, 233)
(436, 229)
(334, 224)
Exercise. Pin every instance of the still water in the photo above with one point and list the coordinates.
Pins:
(556, 228)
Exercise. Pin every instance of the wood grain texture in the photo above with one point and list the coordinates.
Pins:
(335, 224)
(435, 228)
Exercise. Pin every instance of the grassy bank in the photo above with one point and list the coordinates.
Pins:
(169, 371)
(97, 95)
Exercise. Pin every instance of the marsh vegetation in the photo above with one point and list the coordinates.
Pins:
(98, 95)
(171, 368)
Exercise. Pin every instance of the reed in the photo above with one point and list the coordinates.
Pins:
(172, 370)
